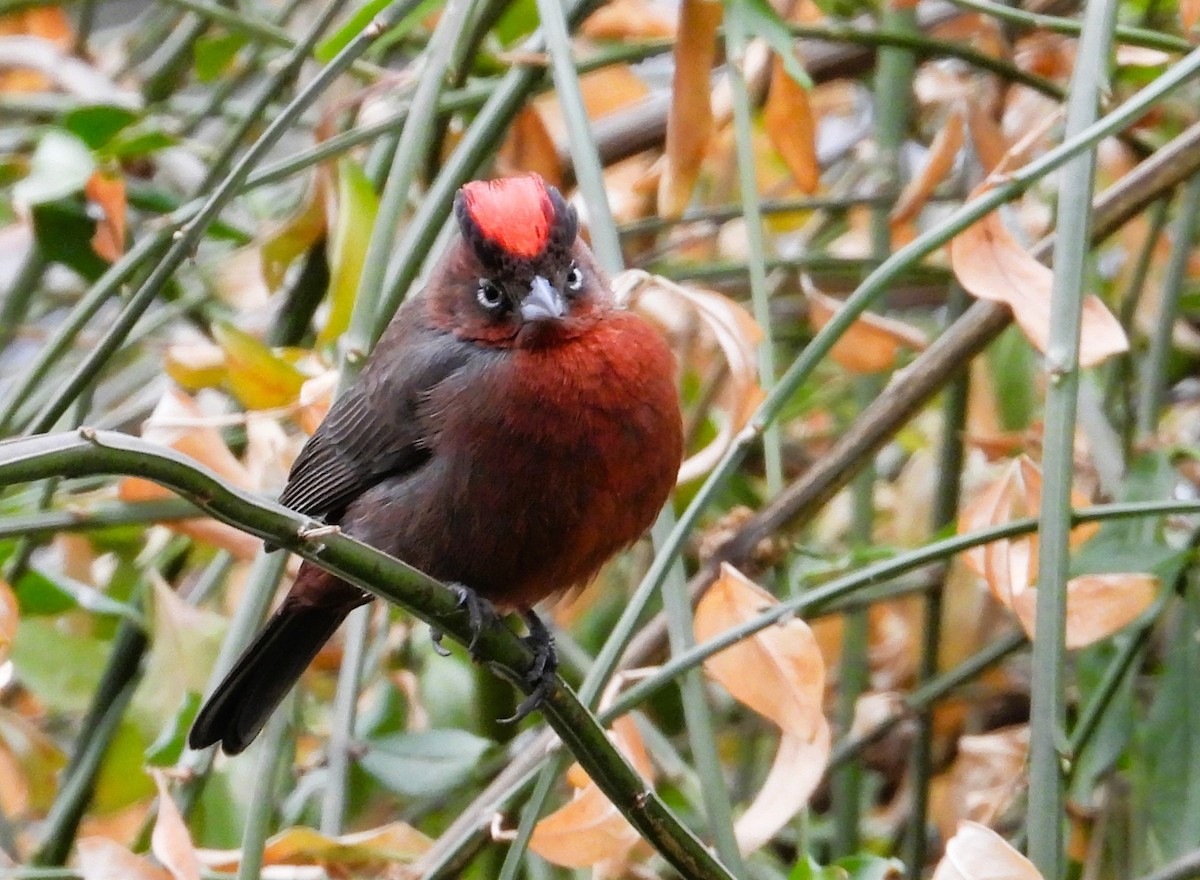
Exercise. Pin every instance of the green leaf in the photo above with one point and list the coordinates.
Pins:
(61, 165)
(519, 20)
(763, 21)
(1013, 365)
(172, 739)
(61, 668)
(214, 54)
(357, 207)
(64, 235)
(137, 141)
(354, 25)
(44, 593)
(97, 125)
(425, 763)
(122, 779)
(283, 246)
(810, 869)
(867, 866)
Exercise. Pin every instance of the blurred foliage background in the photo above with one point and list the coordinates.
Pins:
(840, 213)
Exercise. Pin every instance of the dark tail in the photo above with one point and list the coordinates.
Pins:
(237, 710)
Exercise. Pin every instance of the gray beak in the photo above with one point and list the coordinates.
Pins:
(543, 303)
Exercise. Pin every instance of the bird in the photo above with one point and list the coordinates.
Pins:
(514, 428)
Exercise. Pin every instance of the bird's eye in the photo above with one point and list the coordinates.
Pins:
(575, 279)
(489, 295)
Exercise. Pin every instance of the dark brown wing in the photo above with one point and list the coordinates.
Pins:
(376, 428)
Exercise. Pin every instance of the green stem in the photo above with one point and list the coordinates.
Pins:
(735, 47)
(15, 302)
(1035, 21)
(187, 238)
(341, 737)
(1048, 710)
(262, 797)
(90, 452)
(1155, 368)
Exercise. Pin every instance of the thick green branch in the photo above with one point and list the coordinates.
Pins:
(89, 453)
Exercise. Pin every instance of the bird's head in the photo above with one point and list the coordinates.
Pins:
(518, 275)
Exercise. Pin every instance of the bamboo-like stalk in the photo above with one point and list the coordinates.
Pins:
(1045, 818)
(186, 239)
(1037, 21)
(90, 452)
(735, 48)
(1154, 368)
(262, 798)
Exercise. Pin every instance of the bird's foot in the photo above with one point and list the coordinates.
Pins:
(480, 615)
(541, 674)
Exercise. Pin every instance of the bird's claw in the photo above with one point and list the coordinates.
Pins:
(480, 615)
(541, 674)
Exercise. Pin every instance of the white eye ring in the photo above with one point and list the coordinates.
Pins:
(489, 295)
(575, 278)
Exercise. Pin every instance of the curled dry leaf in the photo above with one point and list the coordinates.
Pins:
(104, 859)
(976, 852)
(627, 20)
(590, 830)
(397, 842)
(789, 122)
(9, 615)
(991, 264)
(872, 344)
(780, 674)
(1097, 605)
(735, 333)
(177, 422)
(690, 118)
(529, 147)
(106, 195)
(170, 841)
(987, 138)
(985, 780)
(943, 152)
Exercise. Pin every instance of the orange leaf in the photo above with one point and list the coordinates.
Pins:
(45, 22)
(627, 20)
(690, 118)
(396, 842)
(9, 615)
(986, 135)
(942, 154)
(991, 264)
(1189, 15)
(873, 342)
(170, 841)
(590, 830)
(985, 778)
(780, 674)
(789, 123)
(1098, 605)
(107, 194)
(976, 852)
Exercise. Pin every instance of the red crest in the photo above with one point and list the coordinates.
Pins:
(515, 213)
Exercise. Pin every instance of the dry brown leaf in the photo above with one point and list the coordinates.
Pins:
(170, 841)
(9, 615)
(104, 859)
(735, 333)
(872, 344)
(1010, 566)
(589, 830)
(106, 193)
(1098, 605)
(976, 852)
(789, 122)
(943, 152)
(690, 118)
(985, 780)
(177, 422)
(780, 674)
(987, 138)
(395, 842)
(529, 147)
(991, 264)
(627, 20)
